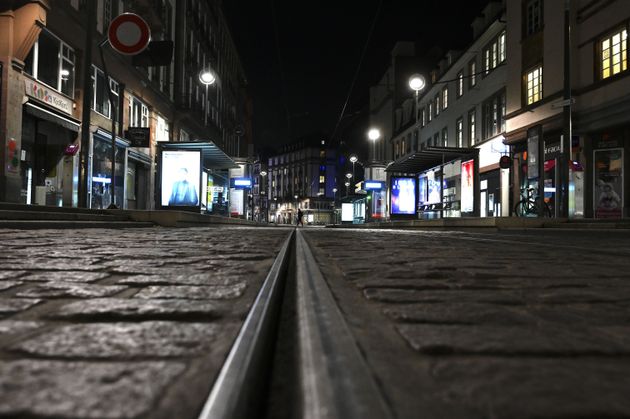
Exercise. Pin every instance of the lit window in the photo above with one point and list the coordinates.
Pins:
(614, 56)
(533, 82)
(445, 137)
(471, 126)
(459, 132)
(445, 98)
(502, 47)
(472, 69)
(322, 179)
(51, 61)
(430, 111)
(437, 105)
(460, 83)
(138, 113)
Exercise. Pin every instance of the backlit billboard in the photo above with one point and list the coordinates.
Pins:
(403, 194)
(181, 177)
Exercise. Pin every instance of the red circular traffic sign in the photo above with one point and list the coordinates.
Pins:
(129, 34)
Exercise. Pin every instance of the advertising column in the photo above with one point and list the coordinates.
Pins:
(404, 202)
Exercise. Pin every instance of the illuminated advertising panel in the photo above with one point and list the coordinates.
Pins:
(374, 185)
(181, 176)
(434, 188)
(468, 193)
(422, 189)
(241, 183)
(237, 200)
(403, 195)
(347, 212)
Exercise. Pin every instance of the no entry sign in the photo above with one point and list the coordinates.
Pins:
(129, 34)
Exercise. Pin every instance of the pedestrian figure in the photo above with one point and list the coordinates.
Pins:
(300, 214)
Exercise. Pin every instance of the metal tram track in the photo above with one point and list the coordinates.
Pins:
(295, 334)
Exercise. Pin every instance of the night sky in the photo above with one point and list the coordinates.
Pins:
(305, 76)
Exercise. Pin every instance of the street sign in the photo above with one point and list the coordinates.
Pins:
(129, 34)
(505, 162)
(139, 137)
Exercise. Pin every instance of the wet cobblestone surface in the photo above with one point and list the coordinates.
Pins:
(497, 325)
(123, 323)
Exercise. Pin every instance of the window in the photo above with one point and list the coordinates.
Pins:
(471, 126)
(472, 69)
(100, 99)
(396, 150)
(445, 97)
(424, 117)
(322, 179)
(614, 54)
(533, 16)
(322, 154)
(445, 137)
(494, 53)
(430, 111)
(460, 84)
(162, 130)
(533, 85)
(436, 139)
(436, 106)
(493, 115)
(459, 132)
(51, 61)
(403, 148)
(138, 113)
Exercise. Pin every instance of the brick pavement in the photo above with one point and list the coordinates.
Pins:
(103, 323)
(502, 325)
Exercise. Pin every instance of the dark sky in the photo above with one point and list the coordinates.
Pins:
(309, 74)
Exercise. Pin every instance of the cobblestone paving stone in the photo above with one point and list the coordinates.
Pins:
(501, 325)
(103, 323)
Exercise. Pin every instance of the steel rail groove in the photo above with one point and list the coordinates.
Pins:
(234, 393)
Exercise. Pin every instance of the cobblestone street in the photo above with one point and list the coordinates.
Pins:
(502, 325)
(122, 323)
(130, 323)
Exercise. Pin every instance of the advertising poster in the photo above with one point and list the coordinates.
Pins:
(181, 174)
(434, 188)
(404, 196)
(236, 202)
(422, 190)
(347, 212)
(608, 178)
(468, 192)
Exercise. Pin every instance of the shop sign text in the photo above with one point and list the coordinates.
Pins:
(47, 95)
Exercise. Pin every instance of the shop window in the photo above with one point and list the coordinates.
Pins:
(460, 84)
(533, 85)
(51, 62)
(614, 54)
(493, 115)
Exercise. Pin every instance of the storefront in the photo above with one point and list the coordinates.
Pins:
(608, 184)
(435, 182)
(100, 176)
(48, 150)
(138, 180)
(494, 182)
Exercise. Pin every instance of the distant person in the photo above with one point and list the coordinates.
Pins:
(300, 216)
(183, 192)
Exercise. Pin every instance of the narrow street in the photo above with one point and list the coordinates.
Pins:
(152, 323)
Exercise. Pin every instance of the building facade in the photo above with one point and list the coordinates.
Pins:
(44, 72)
(462, 106)
(303, 175)
(567, 107)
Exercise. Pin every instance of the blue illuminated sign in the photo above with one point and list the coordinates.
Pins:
(241, 183)
(374, 185)
(403, 196)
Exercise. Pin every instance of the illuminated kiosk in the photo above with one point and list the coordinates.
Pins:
(435, 182)
(192, 176)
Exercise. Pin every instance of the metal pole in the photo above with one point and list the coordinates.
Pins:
(87, 106)
(113, 111)
(565, 157)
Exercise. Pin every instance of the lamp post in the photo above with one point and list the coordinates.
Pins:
(347, 187)
(417, 83)
(353, 159)
(263, 189)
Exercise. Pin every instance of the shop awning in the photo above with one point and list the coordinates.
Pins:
(428, 158)
(67, 122)
(213, 156)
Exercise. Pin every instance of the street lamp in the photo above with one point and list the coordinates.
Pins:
(374, 134)
(264, 202)
(207, 77)
(417, 83)
(353, 159)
